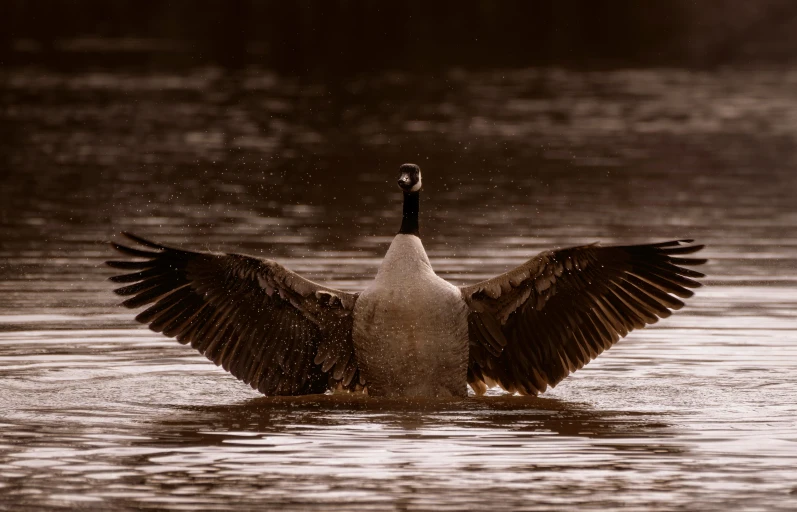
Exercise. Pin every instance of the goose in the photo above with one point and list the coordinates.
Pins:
(410, 333)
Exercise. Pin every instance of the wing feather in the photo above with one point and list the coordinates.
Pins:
(268, 326)
(532, 326)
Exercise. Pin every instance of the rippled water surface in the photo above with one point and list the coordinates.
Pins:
(697, 412)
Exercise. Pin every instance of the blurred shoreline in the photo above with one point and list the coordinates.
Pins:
(344, 38)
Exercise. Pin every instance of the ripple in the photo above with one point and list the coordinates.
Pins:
(696, 412)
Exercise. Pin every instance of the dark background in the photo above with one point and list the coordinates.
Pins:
(306, 37)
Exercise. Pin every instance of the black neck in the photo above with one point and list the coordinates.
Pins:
(409, 222)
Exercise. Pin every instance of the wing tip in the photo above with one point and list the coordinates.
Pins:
(131, 303)
(129, 251)
(150, 256)
(129, 265)
(143, 241)
(673, 252)
(674, 243)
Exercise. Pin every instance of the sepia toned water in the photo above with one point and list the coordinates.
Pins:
(698, 412)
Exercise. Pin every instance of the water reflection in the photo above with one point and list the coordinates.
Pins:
(513, 413)
(302, 451)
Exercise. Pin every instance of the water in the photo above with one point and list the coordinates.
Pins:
(697, 412)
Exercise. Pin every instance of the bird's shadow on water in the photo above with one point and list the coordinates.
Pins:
(521, 416)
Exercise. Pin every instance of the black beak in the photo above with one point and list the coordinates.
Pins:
(404, 182)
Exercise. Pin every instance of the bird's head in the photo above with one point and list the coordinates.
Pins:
(409, 178)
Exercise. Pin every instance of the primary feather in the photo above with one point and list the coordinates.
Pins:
(537, 323)
(268, 326)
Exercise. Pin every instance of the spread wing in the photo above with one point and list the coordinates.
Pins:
(268, 326)
(532, 326)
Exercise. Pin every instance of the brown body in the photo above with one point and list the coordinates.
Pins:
(410, 328)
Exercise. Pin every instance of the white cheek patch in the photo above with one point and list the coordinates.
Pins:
(417, 186)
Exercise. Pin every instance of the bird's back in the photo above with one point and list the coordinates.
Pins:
(410, 328)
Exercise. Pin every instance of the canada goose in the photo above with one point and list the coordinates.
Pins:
(409, 333)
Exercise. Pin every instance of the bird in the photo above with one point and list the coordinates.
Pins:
(409, 333)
